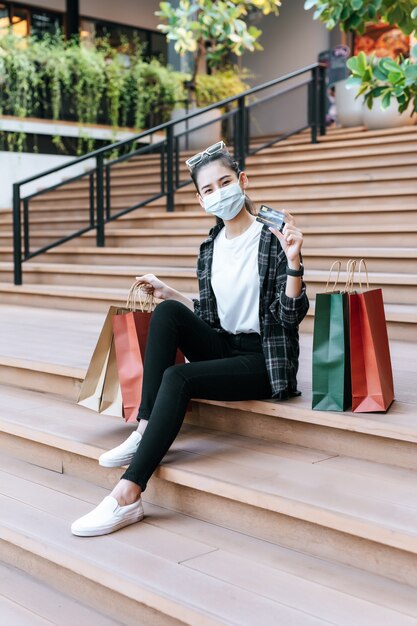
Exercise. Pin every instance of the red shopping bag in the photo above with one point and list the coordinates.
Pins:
(371, 370)
(130, 331)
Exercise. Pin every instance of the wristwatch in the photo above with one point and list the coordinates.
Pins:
(296, 273)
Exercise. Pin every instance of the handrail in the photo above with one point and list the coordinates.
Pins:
(189, 116)
(169, 156)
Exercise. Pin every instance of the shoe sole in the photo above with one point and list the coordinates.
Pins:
(116, 462)
(109, 529)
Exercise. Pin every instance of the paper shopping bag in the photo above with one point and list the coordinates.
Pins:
(92, 386)
(129, 363)
(130, 331)
(371, 370)
(331, 370)
(111, 397)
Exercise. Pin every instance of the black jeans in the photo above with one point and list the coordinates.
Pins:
(222, 367)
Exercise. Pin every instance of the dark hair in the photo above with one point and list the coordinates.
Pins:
(227, 160)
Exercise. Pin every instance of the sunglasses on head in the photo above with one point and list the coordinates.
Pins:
(194, 160)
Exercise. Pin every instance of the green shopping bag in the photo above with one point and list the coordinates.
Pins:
(331, 363)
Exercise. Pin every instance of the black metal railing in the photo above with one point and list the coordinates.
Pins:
(99, 210)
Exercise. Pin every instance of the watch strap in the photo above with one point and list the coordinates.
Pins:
(295, 273)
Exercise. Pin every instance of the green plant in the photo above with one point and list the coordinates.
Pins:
(56, 79)
(213, 29)
(20, 85)
(211, 88)
(385, 79)
(355, 14)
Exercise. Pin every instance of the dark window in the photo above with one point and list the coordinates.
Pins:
(122, 37)
(25, 20)
(159, 47)
(43, 22)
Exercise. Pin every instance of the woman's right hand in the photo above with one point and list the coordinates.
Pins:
(153, 285)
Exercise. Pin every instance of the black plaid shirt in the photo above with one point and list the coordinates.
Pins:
(279, 315)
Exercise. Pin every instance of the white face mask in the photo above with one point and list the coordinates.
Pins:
(225, 202)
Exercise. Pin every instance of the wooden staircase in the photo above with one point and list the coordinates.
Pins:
(262, 512)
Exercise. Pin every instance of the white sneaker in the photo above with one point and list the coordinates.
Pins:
(107, 517)
(122, 454)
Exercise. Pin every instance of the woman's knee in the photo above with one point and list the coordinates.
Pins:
(176, 376)
(168, 308)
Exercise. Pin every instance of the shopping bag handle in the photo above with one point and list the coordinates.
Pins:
(135, 294)
(363, 262)
(339, 263)
(350, 275)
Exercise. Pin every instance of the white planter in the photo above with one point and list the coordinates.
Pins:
(377, 117)
(202, 137)
(348, 108)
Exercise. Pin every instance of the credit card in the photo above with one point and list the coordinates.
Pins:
(271, 217)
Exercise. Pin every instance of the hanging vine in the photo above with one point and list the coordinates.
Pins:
(57, 79)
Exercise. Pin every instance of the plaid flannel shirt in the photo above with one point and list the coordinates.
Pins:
(279, 314)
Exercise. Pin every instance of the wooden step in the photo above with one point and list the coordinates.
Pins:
(155, 215)
(145, 218)
(108, 277)
(382, 259)
(228, 577)
(357, 156)
(328, 506)
(397, 288)
(378, 162)
(120, 188)
(44, 349)
(109, 574)
(401, 319)
(356, 236)
(389, 438)
(259, 191)
(380, 235)
(27, 601)
(398, 260)
(158, 256)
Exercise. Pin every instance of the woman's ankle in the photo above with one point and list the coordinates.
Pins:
(126, 492)
(142, 426)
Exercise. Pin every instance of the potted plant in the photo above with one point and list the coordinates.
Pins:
(355, 16)
(389, 89)
(210, 32)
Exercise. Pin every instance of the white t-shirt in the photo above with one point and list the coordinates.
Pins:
(235, 279)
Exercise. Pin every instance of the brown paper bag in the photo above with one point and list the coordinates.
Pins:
(92, 386)
(111, 397)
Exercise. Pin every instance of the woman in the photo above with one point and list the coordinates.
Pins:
(240, 336)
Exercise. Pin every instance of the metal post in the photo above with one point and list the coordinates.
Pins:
(313, 104)
(17, 236)
(100, 201)
(247, 131)
(162, 168)
(170, 168)
(241, 132)
(322, 99)
(108, 193)
(177, 162)
(26, 244)
(73, 18)
(235, 141)
(91, 177)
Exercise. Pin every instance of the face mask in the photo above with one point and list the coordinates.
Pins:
(225, 202)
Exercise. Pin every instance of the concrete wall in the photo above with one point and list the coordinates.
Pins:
(130, 12)
(290, 41)
(19, 166)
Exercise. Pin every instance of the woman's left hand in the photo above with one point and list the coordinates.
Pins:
(291, 238)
